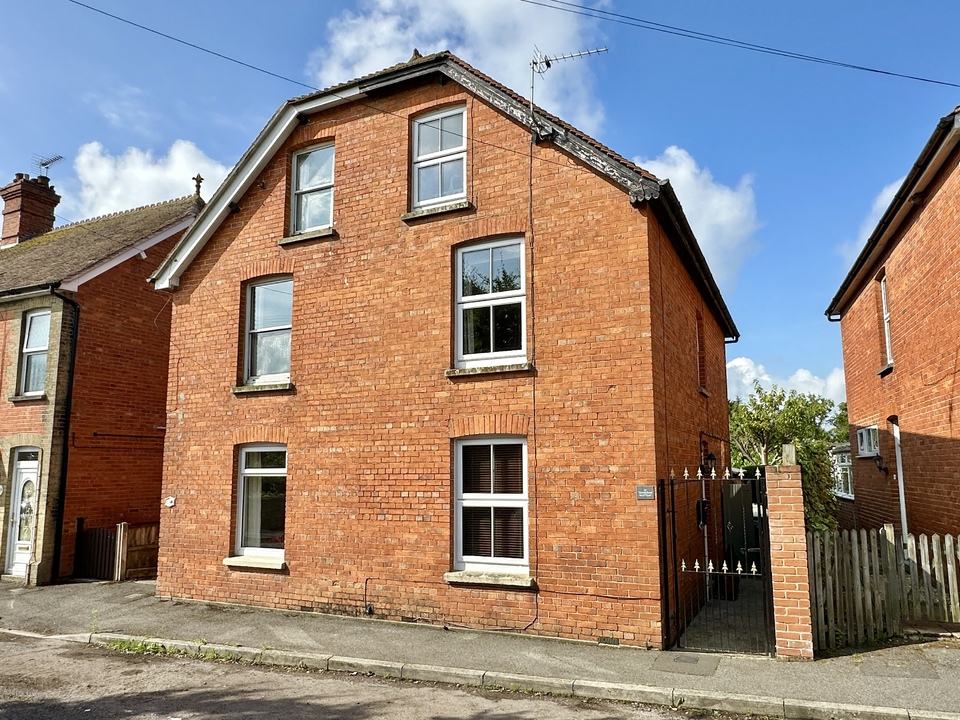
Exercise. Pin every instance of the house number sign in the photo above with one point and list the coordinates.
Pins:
(646, 492)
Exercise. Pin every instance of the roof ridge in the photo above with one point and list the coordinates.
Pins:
(118, 213)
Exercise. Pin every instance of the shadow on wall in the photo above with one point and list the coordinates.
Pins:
(928, 469)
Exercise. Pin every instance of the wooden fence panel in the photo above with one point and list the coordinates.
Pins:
(864, 585)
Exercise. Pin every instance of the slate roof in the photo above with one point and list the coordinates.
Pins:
(71, 250)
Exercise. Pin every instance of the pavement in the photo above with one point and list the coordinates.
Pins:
(915, 681)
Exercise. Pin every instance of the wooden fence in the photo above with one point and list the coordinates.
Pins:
(865, 584)
(118, 552)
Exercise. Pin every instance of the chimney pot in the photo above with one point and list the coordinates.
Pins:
(28, 208)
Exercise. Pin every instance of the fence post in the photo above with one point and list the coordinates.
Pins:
(892, 577)
(120, 562)
(788, 563)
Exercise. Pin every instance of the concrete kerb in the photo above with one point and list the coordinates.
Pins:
(788, 709)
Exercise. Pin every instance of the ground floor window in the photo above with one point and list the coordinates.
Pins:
(262, 500)
(842, 469)
(491, 505)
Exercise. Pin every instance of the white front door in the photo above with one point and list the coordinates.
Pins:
(23, 512)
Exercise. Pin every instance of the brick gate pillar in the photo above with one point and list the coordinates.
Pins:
(788, 563)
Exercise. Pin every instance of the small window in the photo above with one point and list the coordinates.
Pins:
(701, 355)
(261, 500)
(885, 311)
(439, 158)
(868, 442)
(491, 304)
(840, 464)
(313, 189)
(491, 505)
(269, 324)
(33, 357)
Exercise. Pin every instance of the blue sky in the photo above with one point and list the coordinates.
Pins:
(782, 166)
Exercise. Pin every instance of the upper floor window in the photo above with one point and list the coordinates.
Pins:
(439, 157)
(842, 471)
(885, 311)
(268, 325)
(491, 505)
(33, 356)
(868, 441)
(313, 189)
(701, 355)
(491, 304)
(262, 500)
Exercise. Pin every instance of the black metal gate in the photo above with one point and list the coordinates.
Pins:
(96, 552)
(715, 564)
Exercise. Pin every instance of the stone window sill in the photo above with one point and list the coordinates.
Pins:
(253, 389)
(437, 210)
(475, 577)
(491, 370)
(703, 391)
(28, 398)
(255, 562)
(885, 370)
(329, 233)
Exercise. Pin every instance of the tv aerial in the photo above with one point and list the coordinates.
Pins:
(43, 164)
(541, 63)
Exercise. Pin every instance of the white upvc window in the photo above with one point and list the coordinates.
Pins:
(491, 522)
(33, 355)
(868, 442)
(491, 304)
(439, 157)
(313, 189)
(885, 309)
(261, 500)
(842, 467)
(269, 323)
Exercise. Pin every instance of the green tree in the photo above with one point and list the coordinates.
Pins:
(770, 419)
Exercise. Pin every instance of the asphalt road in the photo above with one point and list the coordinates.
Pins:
(44, 679)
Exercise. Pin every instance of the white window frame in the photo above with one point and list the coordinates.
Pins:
(885, 310)
(868, 441)
(250, 332)
(27, 351)
(299, 192)
(520, 566)
(439, 157)
(242, 512)
(841, 464)
(511, 297)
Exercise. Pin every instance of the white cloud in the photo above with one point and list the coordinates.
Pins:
(495, 36)
(742, 373)
(723, 218)
(123, 108)
(109, 183)
(851, 248)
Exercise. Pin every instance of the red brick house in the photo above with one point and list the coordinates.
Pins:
(83, 372)
(428, 362)
(898, 316)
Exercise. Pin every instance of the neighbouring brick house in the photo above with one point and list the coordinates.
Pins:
(83, 372)
(900, 326)
(422, 367)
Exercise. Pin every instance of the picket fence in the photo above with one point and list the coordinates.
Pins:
(864, 585)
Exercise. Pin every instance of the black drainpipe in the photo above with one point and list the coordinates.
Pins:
(68, 401)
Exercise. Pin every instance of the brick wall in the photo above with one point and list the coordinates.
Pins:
(788, 563)
(119, 400)
(923, 283)
(33, 423)
(370, 425)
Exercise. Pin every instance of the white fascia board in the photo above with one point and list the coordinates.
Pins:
(879, 246)
(240, 180)
(71, 284)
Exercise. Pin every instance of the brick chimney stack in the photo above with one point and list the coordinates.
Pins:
(27, 208)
